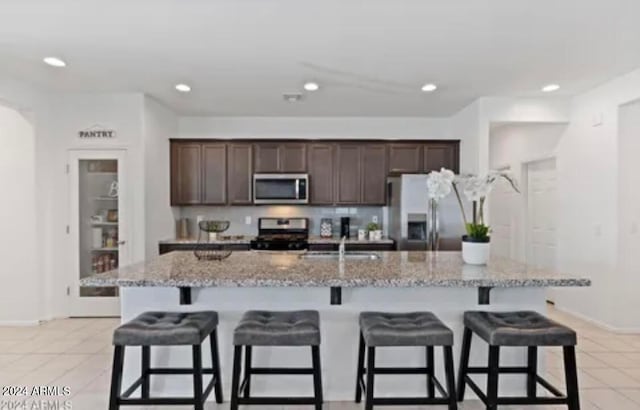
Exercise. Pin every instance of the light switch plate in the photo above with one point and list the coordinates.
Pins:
(247, 220)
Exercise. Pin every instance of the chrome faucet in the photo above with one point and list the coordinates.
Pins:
(341, 248)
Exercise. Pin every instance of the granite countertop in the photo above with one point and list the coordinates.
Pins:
(224, 239)
(393, 269)
(245, 239)
(336, 240)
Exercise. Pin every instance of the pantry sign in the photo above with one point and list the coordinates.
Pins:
(97, 132)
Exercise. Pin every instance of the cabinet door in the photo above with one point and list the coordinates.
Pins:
(186, 172)
(267, 157)
(374, 174)
(321, 167)
(348, 174)
(214, 175)
(441, 155)
(239, 174)
(405, 158)
(293, 157)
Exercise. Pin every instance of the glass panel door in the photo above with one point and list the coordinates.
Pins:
(98, 196)
(98, 228)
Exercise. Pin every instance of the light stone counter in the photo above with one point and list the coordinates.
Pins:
(398, 282)
(393, 269)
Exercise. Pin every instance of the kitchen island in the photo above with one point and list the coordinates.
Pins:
(387, 281)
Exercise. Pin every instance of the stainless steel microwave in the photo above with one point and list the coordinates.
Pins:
(280, 188)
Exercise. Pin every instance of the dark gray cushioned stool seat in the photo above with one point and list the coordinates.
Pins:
(524, 328)
(166, 329)
(267, 328)
(404, 329)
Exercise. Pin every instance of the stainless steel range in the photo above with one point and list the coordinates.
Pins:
(282, 234)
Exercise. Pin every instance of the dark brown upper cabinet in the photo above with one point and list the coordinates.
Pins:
(286, 157)
(373, 158)
(214, 178)
(320, 167)
(348, 174)
(405, 158)
(293, 157)
(186, 173)
(239, 174)
(442, 155)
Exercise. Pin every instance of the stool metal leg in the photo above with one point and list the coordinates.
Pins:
(235, 378)
(146, 364)
(449, 374)
(571, 376)
(197, 378)
(116, 377)
(371, 364)
(492, 378)
(431, 386)
(317, 376)
(215, 363)
(247, 372)
(360, 371)
(464, 363)
(532, 371)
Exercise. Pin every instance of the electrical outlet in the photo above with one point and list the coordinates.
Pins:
(374, 219)
(247, 220)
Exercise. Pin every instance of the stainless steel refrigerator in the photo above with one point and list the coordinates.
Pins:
(412, 222)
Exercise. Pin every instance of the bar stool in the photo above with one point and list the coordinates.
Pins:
(166, 329)
(379, 329)
(524, 328)
(267, 328)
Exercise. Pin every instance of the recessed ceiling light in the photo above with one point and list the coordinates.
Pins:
(428, 88)
(550, 88)
(183, 88)
(311, 86)
(54, 62)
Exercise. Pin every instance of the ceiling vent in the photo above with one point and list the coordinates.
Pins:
(292, 97)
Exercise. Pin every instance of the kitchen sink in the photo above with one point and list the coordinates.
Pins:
(335, 255)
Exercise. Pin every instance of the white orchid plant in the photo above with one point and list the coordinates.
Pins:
(475, 188)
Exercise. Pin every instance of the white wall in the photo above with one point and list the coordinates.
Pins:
(20, 297)
(159, 124)
(59, 121)
(512, 145)
(629, 213)
(591, 166)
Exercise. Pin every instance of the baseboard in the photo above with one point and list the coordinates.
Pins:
(605, 326)
(19, 323)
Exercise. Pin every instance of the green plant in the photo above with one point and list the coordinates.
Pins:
(372, 226)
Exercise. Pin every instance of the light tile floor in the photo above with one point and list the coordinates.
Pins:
(77, 353)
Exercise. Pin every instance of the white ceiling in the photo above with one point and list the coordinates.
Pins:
(370, 56)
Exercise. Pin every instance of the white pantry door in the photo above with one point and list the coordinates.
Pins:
(542, 204)
(98, 227)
